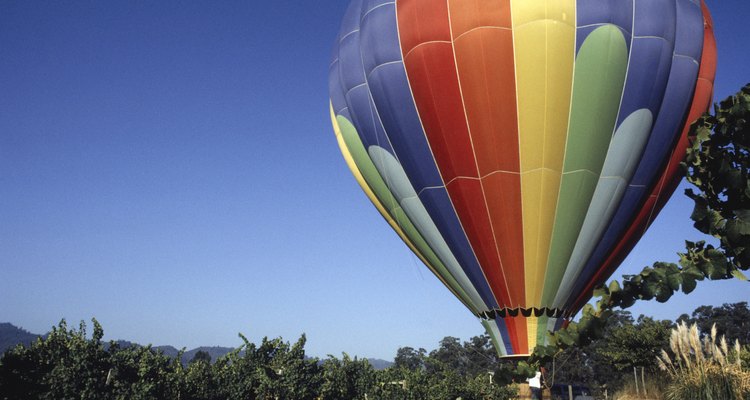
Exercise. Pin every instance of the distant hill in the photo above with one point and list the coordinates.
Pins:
(10, 336)
(379, 364)
(215, 352)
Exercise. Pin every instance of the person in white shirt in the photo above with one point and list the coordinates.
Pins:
(535, 384)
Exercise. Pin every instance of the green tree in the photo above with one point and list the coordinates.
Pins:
(201, 356)
(199, 382)
(66, 364)
(718, 165)
(482, 387)
(636, 345)
(401, 383)
(283, 371)
(449, 356)
(347, 378)
(63, 365)
(598, 373)
(481, 355)
(409, 358)
(140, 373)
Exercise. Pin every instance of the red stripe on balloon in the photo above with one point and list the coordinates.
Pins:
(427, 48)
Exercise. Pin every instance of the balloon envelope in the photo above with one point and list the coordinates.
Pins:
(519, 148)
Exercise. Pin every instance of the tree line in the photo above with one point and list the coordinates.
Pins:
(71, 364)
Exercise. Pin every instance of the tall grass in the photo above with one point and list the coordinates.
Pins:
(654, 388)
(703, 369)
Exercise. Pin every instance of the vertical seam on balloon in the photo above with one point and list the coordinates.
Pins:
(609, 146)
(627, 75)
(518, 134)
(562, 169)
(474, 153)
(565, 152)
(429, 146)
(544, 138)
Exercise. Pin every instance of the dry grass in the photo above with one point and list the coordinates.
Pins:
(628, 392)
(707, 369)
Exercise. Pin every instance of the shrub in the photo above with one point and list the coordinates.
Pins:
(705, 368)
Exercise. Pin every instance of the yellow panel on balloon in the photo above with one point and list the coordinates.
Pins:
(544, 43)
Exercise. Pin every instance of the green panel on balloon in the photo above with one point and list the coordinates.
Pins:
(541, 334)
(379, 187)
(599, 79)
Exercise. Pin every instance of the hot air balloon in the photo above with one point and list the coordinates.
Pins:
(520, 148)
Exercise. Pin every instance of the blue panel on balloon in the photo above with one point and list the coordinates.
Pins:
(359, 105)
(350, 23)
(655, 18)
(648, 72)
(379, 38)
(338, 102)
(593, 13)
(350, 61)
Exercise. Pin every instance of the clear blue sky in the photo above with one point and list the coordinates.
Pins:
(169, 168)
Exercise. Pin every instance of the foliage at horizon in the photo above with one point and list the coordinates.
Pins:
(67, 364)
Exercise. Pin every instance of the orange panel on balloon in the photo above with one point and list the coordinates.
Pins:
(486, 73)
(470, 14)
(503, 193)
